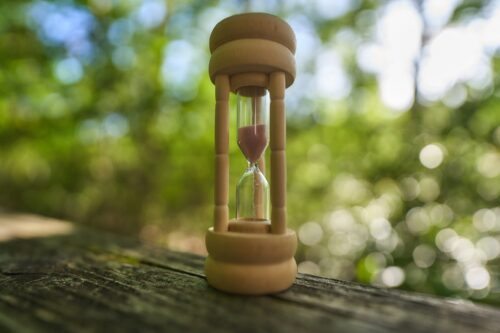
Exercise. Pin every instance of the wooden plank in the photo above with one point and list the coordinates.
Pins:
(92, 282)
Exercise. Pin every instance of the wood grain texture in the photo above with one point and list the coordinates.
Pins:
(93, 282)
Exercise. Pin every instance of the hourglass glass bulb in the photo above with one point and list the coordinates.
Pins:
(252, 196)
(252, 120)
(252, 192)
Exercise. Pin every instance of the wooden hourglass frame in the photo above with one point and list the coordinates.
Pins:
(251, 257)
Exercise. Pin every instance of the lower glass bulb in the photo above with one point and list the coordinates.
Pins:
(252, 196)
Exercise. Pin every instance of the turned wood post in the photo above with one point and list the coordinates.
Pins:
(259, 192)
(221, 195)
(278, 153)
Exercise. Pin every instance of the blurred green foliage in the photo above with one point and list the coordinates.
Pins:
(106, 118)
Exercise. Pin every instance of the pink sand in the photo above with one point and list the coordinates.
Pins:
(252, 141)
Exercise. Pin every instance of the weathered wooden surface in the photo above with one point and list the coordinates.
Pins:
(89, 282)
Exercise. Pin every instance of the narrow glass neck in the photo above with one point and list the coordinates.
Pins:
(253, 165)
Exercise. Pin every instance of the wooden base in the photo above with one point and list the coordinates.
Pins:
(251, 263)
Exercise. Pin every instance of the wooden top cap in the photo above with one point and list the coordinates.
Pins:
(253, 25)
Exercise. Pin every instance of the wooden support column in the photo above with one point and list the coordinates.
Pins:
(258, 196)
(221, 195)
(278, 154)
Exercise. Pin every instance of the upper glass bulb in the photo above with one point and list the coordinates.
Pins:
(252, 120)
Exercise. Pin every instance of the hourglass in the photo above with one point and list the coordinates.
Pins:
(252, 56)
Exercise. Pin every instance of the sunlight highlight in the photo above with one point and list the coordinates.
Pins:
(17, 226)
(431, 156)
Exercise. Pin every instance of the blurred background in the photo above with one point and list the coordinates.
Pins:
(106, 119)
